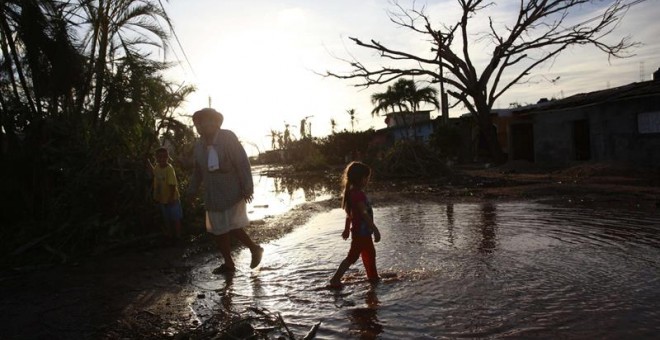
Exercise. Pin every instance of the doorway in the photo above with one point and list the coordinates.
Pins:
(581, 140)
(522, 142)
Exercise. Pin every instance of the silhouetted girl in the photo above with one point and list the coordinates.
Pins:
(359, 222)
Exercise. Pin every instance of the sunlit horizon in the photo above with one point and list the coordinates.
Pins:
(258, 64)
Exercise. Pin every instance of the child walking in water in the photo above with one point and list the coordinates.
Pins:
(359, 222)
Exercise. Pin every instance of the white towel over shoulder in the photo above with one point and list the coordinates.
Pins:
(214, 163)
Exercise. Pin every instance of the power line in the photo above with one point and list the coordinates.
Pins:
(176, 37)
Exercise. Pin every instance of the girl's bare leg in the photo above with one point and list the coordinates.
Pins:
(343, 267)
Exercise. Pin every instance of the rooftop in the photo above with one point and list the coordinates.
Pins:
(633, 90)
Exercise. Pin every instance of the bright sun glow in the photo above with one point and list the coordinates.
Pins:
(258, 62)
(263, 77)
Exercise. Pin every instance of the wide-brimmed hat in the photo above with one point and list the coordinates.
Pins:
(207, 114)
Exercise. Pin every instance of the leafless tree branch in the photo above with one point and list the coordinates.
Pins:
(540, 32)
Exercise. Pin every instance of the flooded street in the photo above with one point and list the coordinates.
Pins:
(277, 195)
(475, 270)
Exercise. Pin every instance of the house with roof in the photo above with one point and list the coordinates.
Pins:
(411, 126)
(620, 124)
(405, 125)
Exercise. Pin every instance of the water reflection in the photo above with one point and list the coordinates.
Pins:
(312, 187)
(276, 195)
(449, 212)
(364, 320)
(488, 225)
(550, 272)
(226, 293)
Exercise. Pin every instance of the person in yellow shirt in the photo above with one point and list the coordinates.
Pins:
(166, 193)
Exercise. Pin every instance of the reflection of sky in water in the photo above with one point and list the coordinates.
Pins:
(275, 195)
(469, 270)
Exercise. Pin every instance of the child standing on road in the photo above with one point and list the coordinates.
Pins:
(166, 193)
(359, 223)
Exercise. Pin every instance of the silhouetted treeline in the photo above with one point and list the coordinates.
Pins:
(82, 106)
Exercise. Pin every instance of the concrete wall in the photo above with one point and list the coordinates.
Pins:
(553, 140)
(613, 133)
(421, 132)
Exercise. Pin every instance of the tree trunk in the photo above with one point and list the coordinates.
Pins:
(490, 134)
(100, 65)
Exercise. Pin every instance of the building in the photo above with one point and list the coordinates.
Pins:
(615, 125)
(408, 126)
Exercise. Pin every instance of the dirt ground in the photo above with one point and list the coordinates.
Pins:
(603, 184)
(138, 291)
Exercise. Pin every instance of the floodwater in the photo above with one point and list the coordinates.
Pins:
(277, 195)
(491, 270)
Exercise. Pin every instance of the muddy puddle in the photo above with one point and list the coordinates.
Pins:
(475, 270)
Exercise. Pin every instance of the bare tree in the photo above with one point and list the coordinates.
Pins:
(540, 32)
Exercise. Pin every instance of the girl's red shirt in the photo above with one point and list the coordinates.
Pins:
(359, 226)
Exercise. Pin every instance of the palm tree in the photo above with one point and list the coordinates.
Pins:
(351, 112)
(333, 125)
(392, 98)
(274, 135)
(39, 62)
(404, 95)
(116, 29)
(414, 95)
(10, 27)
(286, 136)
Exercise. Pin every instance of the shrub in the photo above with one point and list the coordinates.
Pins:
(410, 159)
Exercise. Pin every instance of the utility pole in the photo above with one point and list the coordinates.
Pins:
(444, 110)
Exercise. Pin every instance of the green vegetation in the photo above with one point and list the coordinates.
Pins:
(389, 159)
(406, 158)
(82, 107)
(321, 153)
(83, 104)
(410, 159)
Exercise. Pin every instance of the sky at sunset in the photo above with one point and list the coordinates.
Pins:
(258, 60)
